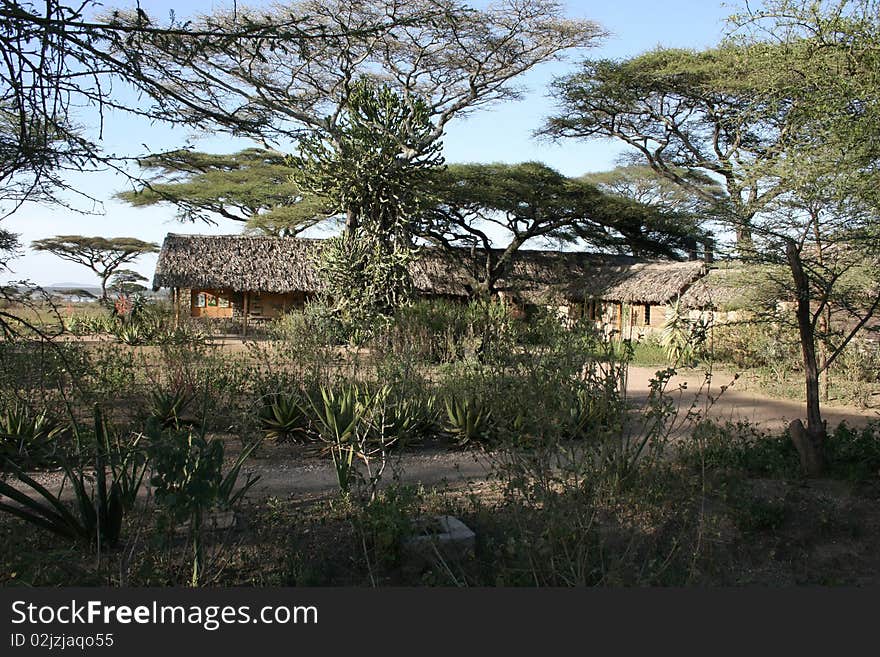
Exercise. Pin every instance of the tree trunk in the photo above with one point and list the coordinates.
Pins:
(351, 222)
(745, 245)
(809, 441)
(104, 297)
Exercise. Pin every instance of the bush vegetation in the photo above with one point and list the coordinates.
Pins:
(583, 486)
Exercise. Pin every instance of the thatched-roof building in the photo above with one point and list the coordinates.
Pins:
(262, 277)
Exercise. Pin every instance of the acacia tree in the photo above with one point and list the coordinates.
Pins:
(680, 212)
(688, 115)
(530, 201)
(447, 54)
(127, 282)
(61, 57)
(253, 186)
(444, 55)
(102, 255)
(793, 124)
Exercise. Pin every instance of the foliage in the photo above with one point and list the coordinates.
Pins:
(668, 104)
(28, 438)
(168, 406)
(339, 415)
(252, 186)
(188, 481)
(131, 334)
(854, 453)
(740, 446)
(530, 202)
(441, 331)
(127, 282)
(376, 164)
(467, 420)
(364, 282)
(89, 324)
(283, 416)
(103, 255)
(682, 338)
(99, 509)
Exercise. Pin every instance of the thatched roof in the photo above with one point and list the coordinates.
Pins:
(238, 262)
(733, 287)
(654, 282)
(273, 264)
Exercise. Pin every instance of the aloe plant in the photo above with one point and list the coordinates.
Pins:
(131, 334)
(28, 437)
(283, 417)
(410, 418)
(337, 416)
(467, 420)
(99, 509)
(168, 406)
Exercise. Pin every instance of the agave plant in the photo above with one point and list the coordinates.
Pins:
(99, 510)
(28, 437)
(338, 415)
(410, 418)
(582, 413)
(168, 406)
(283, 417)
(131, 334)
(467, 420)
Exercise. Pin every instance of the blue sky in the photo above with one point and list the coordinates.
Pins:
(498, 133)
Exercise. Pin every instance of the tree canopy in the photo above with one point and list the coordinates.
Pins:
(103, 255)
(689, 115)
(784, 114)
(61, 59)
(253, 186)
(479, 205)
(451, 56)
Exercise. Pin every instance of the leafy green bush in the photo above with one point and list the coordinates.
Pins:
(767, 344)
(854, 454)
(188, 481)
(743, 447)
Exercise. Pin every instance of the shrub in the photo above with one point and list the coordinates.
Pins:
(28, 438)
(854, 454)
(283, 416)
(740, 446)
(468, 420)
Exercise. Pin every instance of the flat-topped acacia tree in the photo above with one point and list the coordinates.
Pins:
(103, 255)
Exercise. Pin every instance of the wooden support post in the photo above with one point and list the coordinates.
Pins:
(245, 312)
(620, 320)
(175, 296)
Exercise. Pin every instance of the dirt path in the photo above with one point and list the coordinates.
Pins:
(295, 476)
(289, 472)
(736, 404)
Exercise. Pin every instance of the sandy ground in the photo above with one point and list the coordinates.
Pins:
(736, 404)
